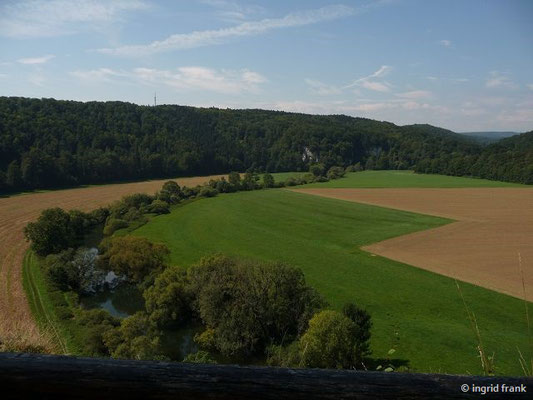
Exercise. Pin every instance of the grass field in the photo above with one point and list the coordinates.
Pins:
(418, 313)
(43, 308)
(407, 179)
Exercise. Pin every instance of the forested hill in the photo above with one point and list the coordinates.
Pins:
(509, 159)
(49, 143)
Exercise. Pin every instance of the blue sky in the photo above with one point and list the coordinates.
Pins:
(462, 65)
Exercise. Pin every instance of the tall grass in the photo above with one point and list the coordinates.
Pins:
(527, 367)
(487, 362)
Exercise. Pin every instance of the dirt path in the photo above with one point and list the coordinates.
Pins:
(493, 226)
(16, 322)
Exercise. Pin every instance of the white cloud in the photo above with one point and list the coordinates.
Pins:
(38, 18)
(446, 43)
(530, 86)
(415, 94)
(98, 75)
(370, 82)
(36, 60)
(322, 88)
(232, 11)
(183, 78)
(376, 86)
(211, 37)
(499, 80)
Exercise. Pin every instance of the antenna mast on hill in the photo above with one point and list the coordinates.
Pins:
(155, 99)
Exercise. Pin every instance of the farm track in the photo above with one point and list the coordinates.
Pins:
(493, 226)
(16, 320)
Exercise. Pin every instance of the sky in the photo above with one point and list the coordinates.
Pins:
(460, 65)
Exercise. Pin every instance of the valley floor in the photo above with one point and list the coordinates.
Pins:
(494, 226)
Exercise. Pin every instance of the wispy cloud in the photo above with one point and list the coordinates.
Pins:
(322, 88)
(370, 82)
(446, 43)
(44, 18)
(415, 94)
(232, 11)
(530, 86)
(211, 37)
(499, 80)
(183, 78)
(36, 60)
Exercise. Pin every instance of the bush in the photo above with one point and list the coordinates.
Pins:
(188, 192)
(137, 200)
(329, 342)
(335, 172)
(136, 338)
(363, 324)
(317, 169)
(268, 181)
(134, 257)
(113, 225)
(159, 207)
(207, 191)
(169, 299)
(63, 313)
(170, 192)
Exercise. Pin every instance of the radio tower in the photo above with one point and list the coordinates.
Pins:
(155, 99)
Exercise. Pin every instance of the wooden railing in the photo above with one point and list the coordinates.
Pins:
(35, 376)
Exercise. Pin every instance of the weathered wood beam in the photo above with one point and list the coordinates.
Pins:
(54, 377)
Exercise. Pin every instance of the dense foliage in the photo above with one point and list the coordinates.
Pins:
(48, 143)
(509, 159)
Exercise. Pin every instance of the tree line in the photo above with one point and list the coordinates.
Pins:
(46, 143)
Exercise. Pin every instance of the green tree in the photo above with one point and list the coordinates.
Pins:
(251, 305)
(329, 342)
(134, 257)
(268, 180)
(317, 169)
(159, 207)
(136, 338)
(170, 192)
(14, 175)
(363, 323)
(169, 299)
(335, 172)
(51, 233)
(234, 178)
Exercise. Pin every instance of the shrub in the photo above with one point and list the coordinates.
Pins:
(268, 181)
(135, 338)
(137, 200)
(335, 172)
(207, 191)
(168, 300)
(317, 169)
(363, 324)
(329, 342)
(159, 207)
(113, 225)
(134, 257)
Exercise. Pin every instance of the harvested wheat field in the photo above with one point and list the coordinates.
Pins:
(494, 226)
(16, 322)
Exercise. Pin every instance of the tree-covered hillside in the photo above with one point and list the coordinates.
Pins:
(49, 143)
(509, 159)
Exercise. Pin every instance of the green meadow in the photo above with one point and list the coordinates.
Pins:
(417, 313)
(407, 179)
